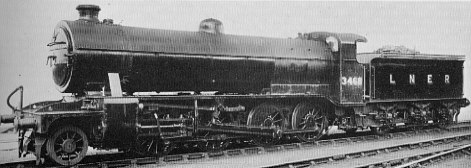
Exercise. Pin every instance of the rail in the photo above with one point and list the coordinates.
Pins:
(377, 151)
(440, 155)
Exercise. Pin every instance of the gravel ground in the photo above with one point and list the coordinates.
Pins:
(393, 155)
(298, 155)
(8, 151)
(464, 162)
(9, 148)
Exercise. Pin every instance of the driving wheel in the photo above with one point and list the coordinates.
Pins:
(310, 117)
(266, 115)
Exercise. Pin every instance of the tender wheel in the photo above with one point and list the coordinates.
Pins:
(443, 117)
(67, 146)
(309, 116)
(456, 113)
(381, 130)
(351, 131)
(266, 115)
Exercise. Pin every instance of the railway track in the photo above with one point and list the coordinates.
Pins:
(425, 159)
(121, 160)
(449, 143)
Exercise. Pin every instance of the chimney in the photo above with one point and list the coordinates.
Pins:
(88, 13)
(212, 26)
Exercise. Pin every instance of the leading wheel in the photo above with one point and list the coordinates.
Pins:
(309, 117)
(213, 145)
(351, 131)
(266, 115)
(152, 146)
(67, 146)
(146, 146)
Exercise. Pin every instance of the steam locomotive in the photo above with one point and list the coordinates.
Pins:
(149, 91)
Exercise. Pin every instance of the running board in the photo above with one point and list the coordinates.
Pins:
(241, 130)
(251, 130)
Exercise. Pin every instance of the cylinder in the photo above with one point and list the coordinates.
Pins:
(25, 123)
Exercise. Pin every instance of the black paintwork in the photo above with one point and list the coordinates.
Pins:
(164, 60)
(402, 89)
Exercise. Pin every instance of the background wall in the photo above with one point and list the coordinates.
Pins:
(429, 27)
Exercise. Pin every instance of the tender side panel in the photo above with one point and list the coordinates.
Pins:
(416, 79)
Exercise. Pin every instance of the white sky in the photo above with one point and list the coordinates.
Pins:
(429, 27)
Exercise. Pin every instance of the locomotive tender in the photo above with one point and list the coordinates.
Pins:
(229, 87)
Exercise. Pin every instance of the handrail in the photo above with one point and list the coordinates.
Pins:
(20, 88)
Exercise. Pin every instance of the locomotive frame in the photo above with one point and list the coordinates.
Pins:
(268, 89)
